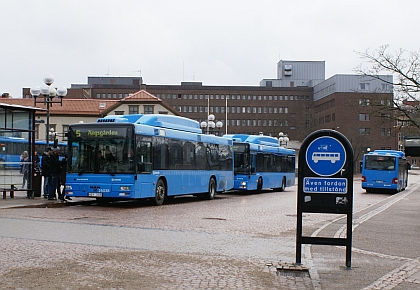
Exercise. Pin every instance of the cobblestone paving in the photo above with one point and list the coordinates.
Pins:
(29, 264)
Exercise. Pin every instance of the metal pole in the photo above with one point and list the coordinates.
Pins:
(226, 121)
(47, 125)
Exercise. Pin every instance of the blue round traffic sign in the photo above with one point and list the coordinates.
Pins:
(325, 156)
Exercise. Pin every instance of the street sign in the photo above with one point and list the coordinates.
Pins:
(325, 156)
(325, 185)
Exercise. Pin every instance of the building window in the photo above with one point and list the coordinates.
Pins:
(363, 117)
(364, 131)
(363, 102)
(133, 110)
(36, 131)
(148, 109)
(386, 132)
(327, 118)
(364, 86)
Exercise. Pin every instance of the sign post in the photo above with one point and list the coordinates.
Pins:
(325, 185)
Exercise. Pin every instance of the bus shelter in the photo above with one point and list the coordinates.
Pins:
(17, 138)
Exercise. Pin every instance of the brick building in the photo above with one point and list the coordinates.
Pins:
(299, 101)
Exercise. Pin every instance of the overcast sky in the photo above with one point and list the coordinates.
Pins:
(214, 42)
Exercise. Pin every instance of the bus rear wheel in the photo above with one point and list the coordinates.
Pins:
(259, 185)
(160, 193)
(212, 189)
(283, 185)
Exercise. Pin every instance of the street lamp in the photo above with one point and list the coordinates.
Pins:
(49, 93)
(210, 124)
(283, 139)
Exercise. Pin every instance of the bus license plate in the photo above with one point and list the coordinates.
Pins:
(95, 194)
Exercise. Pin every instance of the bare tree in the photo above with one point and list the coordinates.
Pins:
(405, 68)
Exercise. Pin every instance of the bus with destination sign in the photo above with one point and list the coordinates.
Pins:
(149, 156)
(260, 162)
(384, 171)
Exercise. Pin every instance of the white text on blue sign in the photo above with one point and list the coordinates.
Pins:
(324, 185)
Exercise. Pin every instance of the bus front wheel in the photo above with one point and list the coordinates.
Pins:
(160, 193)
(212, 189)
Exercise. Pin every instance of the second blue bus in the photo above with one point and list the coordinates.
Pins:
(384, 171)
(260, 162)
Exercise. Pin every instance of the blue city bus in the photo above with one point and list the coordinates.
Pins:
(12, 147)
(260, 162)
(384, 171)
(151, 156)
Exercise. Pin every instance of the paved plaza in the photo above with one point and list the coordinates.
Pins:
(233, 242)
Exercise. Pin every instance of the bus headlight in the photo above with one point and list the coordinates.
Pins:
(124, 187)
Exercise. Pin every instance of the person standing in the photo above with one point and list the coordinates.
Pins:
(24, 168)
(55, 170)
(62, 181)
(45, 169)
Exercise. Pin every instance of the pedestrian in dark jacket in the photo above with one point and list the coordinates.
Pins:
(55, 170)
(45, 169)
(62, 181)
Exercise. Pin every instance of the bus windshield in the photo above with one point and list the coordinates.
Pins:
(380, 162)
(241, 158)
(94, 150)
